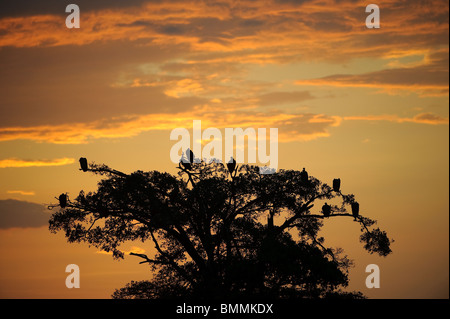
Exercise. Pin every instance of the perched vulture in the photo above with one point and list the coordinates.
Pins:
(355, 209)
(83, 164)
(326, 210)
(190, 156)
(231, 165)
(63, 200)
(336, 184)
(304, 176)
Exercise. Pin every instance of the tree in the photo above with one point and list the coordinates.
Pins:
(219, 232)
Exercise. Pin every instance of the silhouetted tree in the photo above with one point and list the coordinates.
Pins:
(218, 235)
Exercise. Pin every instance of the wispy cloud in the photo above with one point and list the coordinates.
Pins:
(251, 31)
(15, 162)
(15, 213)
(428, 78)
(305, 126)
(423, 118)
(23, 193)
(429, 118)
(174, 62)
(188, 55)
(292, 127)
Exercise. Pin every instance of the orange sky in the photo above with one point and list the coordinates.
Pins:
(367, 105)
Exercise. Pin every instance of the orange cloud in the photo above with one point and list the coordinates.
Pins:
(14, 162)
(254, 32)
(291, 126)
(185, 87)
(427, 77)
(218, 41)
(423, 118)
(428, 118)
(23, 193)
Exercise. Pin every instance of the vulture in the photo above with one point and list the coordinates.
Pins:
(304, 176)
(231, 165)
(326, 210)
(83, 164)
(336, 184)
(63, 200)
(355, 209)
(187, 164)
(190, 155)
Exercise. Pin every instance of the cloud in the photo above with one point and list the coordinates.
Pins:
(57, 7)
(15, 213)
(306, 127)
(257, 31)
(428, 78)
(428, 118)
(277, 98)
(23, 193)
(156, 65)
(75, 84)
(185, 87)
(423, 118)
(15, 162)
(103, 68)
(291, 127)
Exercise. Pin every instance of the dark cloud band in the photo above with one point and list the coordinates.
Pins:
(15, 8)
(15, 213)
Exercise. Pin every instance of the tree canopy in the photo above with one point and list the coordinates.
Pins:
(220, 231)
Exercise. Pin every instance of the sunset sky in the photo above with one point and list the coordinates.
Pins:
(370, 106)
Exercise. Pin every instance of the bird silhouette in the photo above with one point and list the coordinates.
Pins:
(187, 163)
(231, 165)
(304, 176)
(63, 200)
(336, 184)
(190, 155)
(355, 209)
(83, 164)
(326, 210)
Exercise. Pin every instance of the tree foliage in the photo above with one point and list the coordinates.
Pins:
(218, 234)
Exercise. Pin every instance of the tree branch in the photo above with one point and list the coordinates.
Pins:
(147, 260)
(170, 261)
(107, 170)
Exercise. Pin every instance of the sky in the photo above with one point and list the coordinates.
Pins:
(367, 105)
